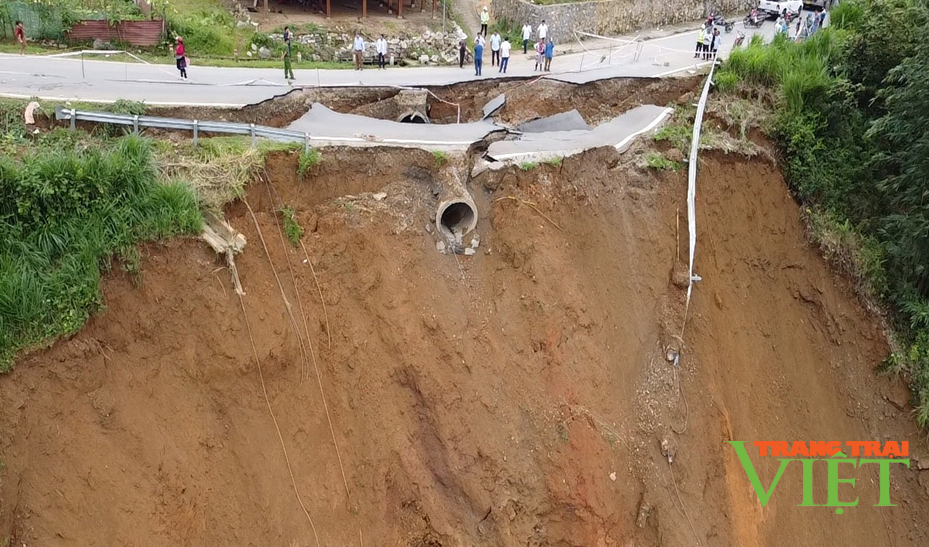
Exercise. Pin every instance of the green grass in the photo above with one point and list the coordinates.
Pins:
(679, 129)
(65, 214)
(219, 168)
(799, 71)
(307, 161)
(555, 162)
(441, 157)
(725, 81)
(861, 258)
(130, 108)
(207, 26)
(507, 29)
(657, 161)
(292, 228)
(528, 165)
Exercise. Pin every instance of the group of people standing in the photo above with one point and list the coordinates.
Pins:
(808, 27)
(708, 40)
(805, 27)
(500, 47)
(499, 52)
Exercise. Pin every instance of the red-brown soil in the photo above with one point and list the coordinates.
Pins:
(516, 397)
(526, 100)
(597, 101)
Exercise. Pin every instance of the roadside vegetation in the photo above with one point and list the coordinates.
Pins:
(656, 160)
(68, 211)
(292, 228)
(74, 205)
(852, 123)
(208, 27)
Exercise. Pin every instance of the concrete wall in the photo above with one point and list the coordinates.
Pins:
(608, 17)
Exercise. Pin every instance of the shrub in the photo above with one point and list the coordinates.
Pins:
(292, 228)
(441, 158)
(307, 161)
(206, 33)
(657, 161)
(64, 215)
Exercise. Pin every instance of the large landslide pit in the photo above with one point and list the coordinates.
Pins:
(369, 389)
(597, 101)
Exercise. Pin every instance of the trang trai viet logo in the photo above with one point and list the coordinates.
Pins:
(859, 453)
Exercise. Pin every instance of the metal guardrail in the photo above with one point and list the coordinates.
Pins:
(194, 126)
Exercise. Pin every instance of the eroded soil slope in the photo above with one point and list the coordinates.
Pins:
(517, 397)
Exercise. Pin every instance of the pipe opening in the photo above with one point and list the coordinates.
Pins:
(413, 117)
(458, 218)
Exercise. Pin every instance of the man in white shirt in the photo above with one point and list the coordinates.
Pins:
(479, 39)
(495, 49)
(358, 49)
(504, 55)
(527, 35)
(380, 47)
(543, 31)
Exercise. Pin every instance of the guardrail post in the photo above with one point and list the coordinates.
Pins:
(306, 143)
(251, 127)
(73, 120)
(135, 125)
(196, 132)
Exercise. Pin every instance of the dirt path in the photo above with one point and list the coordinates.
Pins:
(469, 12)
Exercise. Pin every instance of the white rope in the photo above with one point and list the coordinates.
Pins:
(610, 38)
(608, 58)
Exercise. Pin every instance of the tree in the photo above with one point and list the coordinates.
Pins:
(883, 37)
(902, 135)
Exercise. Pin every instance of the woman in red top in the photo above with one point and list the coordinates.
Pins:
(181, 57)
(20, 34)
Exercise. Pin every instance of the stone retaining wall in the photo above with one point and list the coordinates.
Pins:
(608, 17)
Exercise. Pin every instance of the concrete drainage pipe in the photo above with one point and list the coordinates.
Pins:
(413, 117)
(456, 214)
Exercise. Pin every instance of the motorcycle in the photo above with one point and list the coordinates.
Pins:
(754, 22)
(740, 37)
(718, 20)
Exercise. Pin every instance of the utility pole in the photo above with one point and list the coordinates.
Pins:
(443, 15)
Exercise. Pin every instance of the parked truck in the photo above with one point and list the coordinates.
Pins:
(815, 5)
(773, 9)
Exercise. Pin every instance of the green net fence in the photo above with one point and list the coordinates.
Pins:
(42, 20)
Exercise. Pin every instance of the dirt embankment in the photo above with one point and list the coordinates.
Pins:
(517, 397)
(597, 101)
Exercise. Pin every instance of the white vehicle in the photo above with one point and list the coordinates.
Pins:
(774, 9)
(814, 5)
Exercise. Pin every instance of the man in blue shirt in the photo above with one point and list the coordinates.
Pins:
(549, 53)
(478, 56)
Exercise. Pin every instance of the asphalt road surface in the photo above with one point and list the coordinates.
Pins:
(74, 78)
